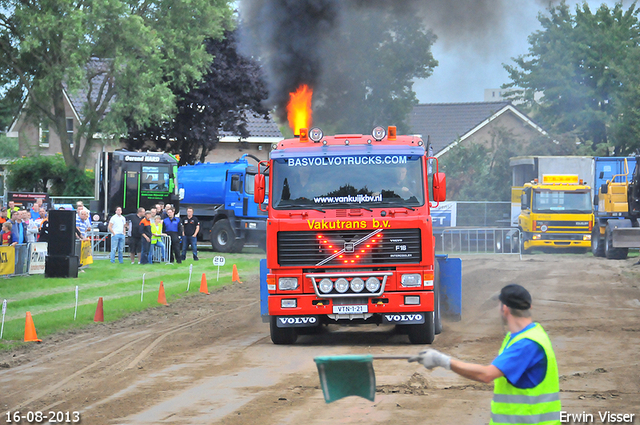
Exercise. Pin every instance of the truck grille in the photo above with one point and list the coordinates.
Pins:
(388, 246)
(563, 226)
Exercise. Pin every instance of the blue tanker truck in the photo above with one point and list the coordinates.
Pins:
(221, 195)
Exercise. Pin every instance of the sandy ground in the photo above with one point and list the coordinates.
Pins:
(209, 359)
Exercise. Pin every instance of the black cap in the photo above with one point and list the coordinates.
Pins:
(515, 296)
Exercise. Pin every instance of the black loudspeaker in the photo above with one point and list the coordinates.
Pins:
(61, 266)
(62, 232)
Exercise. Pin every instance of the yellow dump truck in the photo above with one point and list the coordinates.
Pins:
(555, 213)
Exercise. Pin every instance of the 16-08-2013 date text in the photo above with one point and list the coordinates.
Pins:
(52, 417)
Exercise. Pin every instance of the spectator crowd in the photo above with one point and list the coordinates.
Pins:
(146, 231)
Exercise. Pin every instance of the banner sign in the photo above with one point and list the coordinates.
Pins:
(27, 199)
(86, 253)
(37, 257)
(7, 260)
(444, 215)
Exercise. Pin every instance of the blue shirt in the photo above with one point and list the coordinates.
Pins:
(171, 225)
(524, 363)
(20, 231)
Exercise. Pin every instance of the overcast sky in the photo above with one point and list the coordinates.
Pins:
(468, 67)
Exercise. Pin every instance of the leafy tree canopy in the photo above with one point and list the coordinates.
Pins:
(373, 61)
(49, 174)
(232, 87)
(585, 67)
(481, 172)
(123, 57)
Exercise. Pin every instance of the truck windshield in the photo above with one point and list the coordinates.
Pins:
(155, 178)
(354, 181)
(560, 201)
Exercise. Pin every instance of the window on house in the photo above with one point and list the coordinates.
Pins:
(44, 135)
(70, 132)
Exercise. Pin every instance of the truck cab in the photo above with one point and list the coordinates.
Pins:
(556, 213)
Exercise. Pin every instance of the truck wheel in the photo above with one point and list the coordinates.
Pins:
(609, 251)
(223, 237)
(436, 297)
(424, 333)
(282, 336)
(237, 245)
(597, 244)
(522, 250)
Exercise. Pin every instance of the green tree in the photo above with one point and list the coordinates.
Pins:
(122, 57)
(370, 65)
(49, 174)
(481, 172)
(585, 67)
(8, 147)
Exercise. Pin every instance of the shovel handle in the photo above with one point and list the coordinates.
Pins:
(406, 357)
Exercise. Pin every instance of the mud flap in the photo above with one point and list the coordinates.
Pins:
(264, 294)
(450, 287)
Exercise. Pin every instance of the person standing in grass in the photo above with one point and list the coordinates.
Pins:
(117, 227)
(173, 227)
(145, 231)
(156, 239)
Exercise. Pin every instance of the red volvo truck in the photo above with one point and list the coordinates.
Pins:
(349, 234)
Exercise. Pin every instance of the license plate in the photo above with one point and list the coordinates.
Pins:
(349, 309)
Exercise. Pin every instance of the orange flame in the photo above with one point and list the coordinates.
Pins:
(299, 109)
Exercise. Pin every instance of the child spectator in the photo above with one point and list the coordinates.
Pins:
(6, 236)
(156, 239)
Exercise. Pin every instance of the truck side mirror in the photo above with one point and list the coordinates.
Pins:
(259, 189)
(439, 187)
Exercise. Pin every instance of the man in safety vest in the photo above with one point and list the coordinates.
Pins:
(527, 388)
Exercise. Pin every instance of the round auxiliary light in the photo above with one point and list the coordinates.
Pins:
(373, 284)
(357, 284)
(342, 285)
(379, 133)
(315, 134)
(326, 285)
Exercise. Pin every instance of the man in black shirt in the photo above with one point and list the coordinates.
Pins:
(191, 227)
(135, 240)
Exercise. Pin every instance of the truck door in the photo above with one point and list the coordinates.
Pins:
(236, 194)
(131, 191)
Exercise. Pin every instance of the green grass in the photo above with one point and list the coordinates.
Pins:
(51, 301)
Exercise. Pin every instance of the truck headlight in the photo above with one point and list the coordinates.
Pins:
(342, 285)
(586, 237)
(288, 283)
(357, 284)
(413, 279)
(373, 284)
(326, 285)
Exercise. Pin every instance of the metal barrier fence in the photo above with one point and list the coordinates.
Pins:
(22, 259)
(101, 243)
(483, 240)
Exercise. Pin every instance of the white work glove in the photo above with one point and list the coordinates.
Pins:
(432, 358)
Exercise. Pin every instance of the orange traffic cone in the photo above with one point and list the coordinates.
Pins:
(30, 329)
(235, 278)
(162, 299)
(203, 284)
(99, 316)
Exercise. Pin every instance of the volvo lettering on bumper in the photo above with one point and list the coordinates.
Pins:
(409, 318)
(297, 321)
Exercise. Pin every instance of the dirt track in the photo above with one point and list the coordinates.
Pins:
(209, 359)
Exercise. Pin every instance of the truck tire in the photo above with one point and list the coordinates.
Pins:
(424, 333)
(436, 297)
(609, 251)
(223, 238)
(281, 336)
(523, 251)
(597, 243)
(237, 245)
